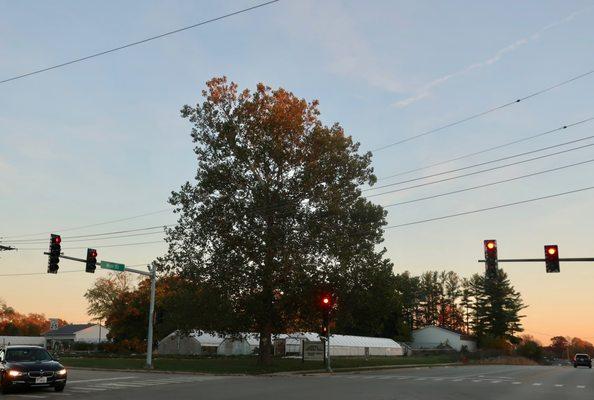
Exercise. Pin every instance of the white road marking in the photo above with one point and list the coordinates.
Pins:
(537, 384)
(558, 385)
(495, 381)
(458, 380)
(581, 387)
(477, 380)
(102, 379)
(516, 383)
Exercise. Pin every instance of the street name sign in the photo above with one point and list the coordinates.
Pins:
(113, 266)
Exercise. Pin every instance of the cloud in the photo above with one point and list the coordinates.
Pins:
(329, 25)
(426, 90)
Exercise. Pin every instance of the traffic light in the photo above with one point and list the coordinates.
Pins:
(490, 257)
(54, 254)
(91, 261)
(552, 258)
(326, 305)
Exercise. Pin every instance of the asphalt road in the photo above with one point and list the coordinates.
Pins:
(466, 382)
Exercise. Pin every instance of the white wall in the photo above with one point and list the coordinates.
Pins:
(431, 337)
(360, 351)
(91, 334)
(22, 340)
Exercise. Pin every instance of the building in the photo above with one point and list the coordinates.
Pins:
(435, 337)
(340, 345)
(67, 335)
(22, 340)
(202, 343)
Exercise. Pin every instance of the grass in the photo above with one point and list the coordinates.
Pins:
(245, 365)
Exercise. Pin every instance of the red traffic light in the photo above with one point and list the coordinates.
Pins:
(326, 300)
(56, 239)
(490, 244)
(552, 250)
(93, 253)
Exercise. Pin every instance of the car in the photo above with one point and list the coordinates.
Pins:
(30, 366)
(583, 360)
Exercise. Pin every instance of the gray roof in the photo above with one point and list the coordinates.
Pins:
(68, 330)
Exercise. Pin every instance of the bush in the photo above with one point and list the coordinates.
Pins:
(530, 349)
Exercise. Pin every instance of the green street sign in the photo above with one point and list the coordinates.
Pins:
(112, 266)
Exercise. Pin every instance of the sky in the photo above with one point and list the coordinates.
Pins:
(103, 140)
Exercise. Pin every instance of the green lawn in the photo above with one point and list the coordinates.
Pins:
(247, 365)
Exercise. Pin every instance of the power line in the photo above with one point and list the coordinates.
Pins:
(486, 150)
(422, 221)
(109, 245)
(488, 184)
(99, 238)
(95, 235)
(480, 114)
(473, 173)
(137, 42)
(91, 225)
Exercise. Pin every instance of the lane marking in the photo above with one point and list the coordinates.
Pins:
(581, 387)
(495, 381)
(558, 385)
(537, 384)
(102, 379)
(516, 383)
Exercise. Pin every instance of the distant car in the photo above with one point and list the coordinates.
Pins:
(30, 366)
(582, 360)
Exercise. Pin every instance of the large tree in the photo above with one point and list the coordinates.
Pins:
(275, 213)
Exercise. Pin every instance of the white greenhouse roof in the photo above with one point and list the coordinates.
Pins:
(344, 340)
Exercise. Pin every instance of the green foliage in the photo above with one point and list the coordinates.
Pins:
(531, 349)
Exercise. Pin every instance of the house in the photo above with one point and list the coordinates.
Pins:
(77, 333)
(435, 337)
(202, 343)
(340, 345)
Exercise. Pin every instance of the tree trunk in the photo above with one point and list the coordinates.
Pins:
(265, 355)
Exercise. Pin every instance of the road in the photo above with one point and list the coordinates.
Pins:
(465, 382)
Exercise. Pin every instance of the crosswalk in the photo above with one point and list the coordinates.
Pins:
(76, 388)
(455, 379)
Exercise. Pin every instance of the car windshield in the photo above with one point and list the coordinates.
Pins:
(27, 354)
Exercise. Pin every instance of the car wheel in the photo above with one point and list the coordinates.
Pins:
(59, 388)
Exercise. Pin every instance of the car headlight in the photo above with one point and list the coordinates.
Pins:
(15, 373)
(61, 372)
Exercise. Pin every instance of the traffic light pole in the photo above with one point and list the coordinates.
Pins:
(153, 275)
(582, 259)
(328, 366)
(149, 344)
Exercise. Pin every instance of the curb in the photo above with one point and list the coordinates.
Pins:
(283, 373)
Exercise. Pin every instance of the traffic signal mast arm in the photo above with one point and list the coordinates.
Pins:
(136, 271)
(574, 259)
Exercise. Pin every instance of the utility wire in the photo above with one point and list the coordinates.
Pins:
(109, 245)
(480, 210)
(91, 225)
(99, 238)
(479, 171)
(418, 221)
(488, 184)
(491, 162)
(95, 236)
(487, 149)
(77, 60)
(480, 114)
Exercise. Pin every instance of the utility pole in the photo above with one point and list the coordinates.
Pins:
(149, 345)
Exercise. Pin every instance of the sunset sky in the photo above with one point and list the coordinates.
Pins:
(103, 140)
